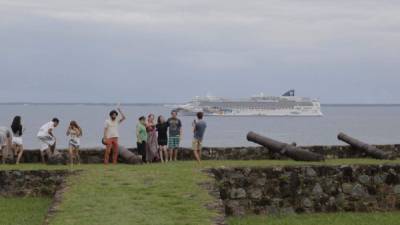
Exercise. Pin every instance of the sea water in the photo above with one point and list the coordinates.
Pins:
(373, 124)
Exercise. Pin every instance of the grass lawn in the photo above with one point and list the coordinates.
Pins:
(159, 194)
(320, 219)
(23, 211)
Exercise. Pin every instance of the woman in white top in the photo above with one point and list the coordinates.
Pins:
(74, 132)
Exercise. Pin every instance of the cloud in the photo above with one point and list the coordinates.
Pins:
(278, 43)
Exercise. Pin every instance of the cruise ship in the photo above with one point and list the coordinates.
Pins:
(286, 105)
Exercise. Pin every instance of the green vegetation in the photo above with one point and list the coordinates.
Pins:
(129, 195)
(321, 219)
(23, 211)
(164, 194)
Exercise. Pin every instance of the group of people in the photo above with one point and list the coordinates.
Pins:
(159, 140)
(156, 140)
(11, 143)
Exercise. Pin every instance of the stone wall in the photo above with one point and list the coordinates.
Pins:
(309, 189)
(31, 183)
(95, 155)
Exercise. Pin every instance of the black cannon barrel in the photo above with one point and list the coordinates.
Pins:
(368, 149)
(128, 156)
(290, 151)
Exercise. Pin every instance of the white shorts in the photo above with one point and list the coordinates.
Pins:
(17, 140)
(74, 142)
(47, 141)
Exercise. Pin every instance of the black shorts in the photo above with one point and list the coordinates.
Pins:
(162, 142)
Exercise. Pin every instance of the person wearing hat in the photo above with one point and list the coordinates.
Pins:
(110, 137)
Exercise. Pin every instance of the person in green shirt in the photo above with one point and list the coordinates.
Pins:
(141, 137)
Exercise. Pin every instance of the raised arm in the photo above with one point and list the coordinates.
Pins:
(122, 115)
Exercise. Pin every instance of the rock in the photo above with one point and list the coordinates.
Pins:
(307, 203)
(358, 191)
(364, 179)
(238, 193)
(310, 189)
(31, 183)
(332, 201)
(347, 188)
(317, 190)
(261, 181)
(396, 189)
(310, 172)
(255, 193)
(234, 208)
(379, 179)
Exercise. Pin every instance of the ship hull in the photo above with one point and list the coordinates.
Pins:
(274, 113)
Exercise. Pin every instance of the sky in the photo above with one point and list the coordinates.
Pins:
(133, 51)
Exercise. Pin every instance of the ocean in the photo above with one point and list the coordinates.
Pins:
(375, 124)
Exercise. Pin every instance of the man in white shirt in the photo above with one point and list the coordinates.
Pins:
(47, 138)
(110, 137)
(5, 143)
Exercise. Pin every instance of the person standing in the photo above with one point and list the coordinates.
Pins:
(199, 128)
(141, 138)
(17, 144)
(152, 146)
(46, 136)
(5, 143)
(175, 135)
(74, 133)
(111, 135)
(162, 139)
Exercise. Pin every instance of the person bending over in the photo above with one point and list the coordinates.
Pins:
(47, 138)
(5, 143)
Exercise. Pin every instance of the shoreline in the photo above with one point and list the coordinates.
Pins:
(96, 155)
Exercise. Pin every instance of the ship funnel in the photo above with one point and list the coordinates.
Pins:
(289, 93)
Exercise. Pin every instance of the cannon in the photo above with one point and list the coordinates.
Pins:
(368, 149)
(290, 151)
(128, 156)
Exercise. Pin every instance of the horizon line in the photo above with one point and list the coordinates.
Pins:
(173, 103)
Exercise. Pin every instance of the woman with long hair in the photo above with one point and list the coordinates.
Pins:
(17, 144)
(152, 146)
(74, 132)
(162, 128)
